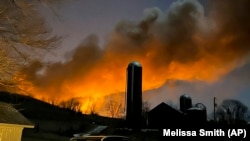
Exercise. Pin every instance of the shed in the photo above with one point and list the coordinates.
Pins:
(12, 123)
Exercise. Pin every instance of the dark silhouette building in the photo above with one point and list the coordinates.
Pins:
(134, 95)
(197, 114)
(165, 116)
(12, 123)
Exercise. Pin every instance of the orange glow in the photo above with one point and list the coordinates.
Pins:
(168, 49)
(186, 42)
(107, 78)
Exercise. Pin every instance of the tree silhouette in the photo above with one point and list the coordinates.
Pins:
(91, 109)
(24, 37)
(232, 112)
(114, 108)
(72, 104)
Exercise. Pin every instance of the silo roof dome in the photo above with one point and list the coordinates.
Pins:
(135, 63)
(186, 96)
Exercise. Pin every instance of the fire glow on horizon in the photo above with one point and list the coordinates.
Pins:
(182, 44)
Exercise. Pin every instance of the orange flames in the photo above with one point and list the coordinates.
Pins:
(183, 46)
(107, 78)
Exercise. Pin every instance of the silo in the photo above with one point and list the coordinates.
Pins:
(134, 95)
(197, 115)
(185, 102)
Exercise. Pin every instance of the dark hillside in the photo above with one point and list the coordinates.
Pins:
(35, 109)
(52, 119)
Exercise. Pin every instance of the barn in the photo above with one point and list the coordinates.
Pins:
(164, 116)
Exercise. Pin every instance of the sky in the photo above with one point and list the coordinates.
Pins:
(77, 19)
(190, 47)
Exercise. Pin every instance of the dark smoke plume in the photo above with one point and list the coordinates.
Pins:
(182, 43)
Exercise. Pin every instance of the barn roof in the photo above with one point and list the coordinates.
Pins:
(163, 107)
(163, 116)
(9, 115)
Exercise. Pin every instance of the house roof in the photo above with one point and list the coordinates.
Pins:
(9, 115)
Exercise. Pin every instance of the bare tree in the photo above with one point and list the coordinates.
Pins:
(91, 109)
(72, 104)
(232, 112)
(114, 108)
(23, 36)
(52, 101)
(6, 67)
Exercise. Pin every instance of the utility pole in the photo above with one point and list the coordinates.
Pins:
(215, 105)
